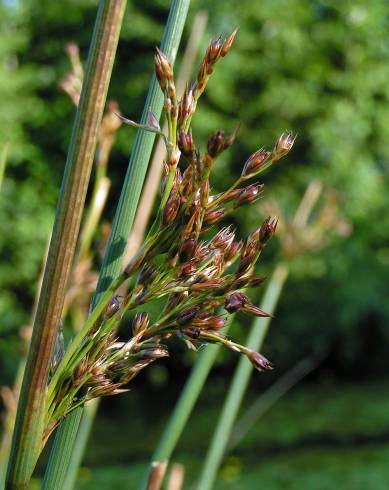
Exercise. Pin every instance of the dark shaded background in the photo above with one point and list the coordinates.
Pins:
(319, 68)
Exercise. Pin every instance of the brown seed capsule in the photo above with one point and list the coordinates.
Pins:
(213, 217)
(249, 194)
(255, 162)
(259, 361)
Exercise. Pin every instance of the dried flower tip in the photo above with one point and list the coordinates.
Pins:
(140, 323)
(267, 230)
(232, 252)
(163, 69)
(223, 239)
(258, 361)
(255, 162)
(152, 121)
(283, 145)
(171, 208)
(112, 307)
(249, 194)
(228, 43)
(213, 51)
(255, 310)
(185, 143)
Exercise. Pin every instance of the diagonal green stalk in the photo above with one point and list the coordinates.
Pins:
(28, 430)
(63, 475)
(240, 381)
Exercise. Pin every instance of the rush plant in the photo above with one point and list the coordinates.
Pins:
(198, 271)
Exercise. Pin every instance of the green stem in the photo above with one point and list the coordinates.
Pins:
(27, 437)
(112, 262)
(3, 162)
(240, 381)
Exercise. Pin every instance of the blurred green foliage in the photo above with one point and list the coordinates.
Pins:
(319, 68)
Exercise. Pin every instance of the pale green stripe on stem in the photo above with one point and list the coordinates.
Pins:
(124, 217)
(28, 431)
(240, 381)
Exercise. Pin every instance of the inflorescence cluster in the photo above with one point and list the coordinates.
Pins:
(202, 280)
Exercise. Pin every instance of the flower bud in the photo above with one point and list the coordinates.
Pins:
(112, 307)
(255, 162)
(163, 69)
(283, 145)
(185, 143)
(267, 230)
(228, 43)
(152, 121)
(249, 194)
(235, 301)
(216, 144)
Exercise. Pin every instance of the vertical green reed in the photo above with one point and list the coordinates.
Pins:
(64, 461)
(30, 416)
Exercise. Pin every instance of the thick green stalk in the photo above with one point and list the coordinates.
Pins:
(240, 381)
(112, 263)
(28, 430)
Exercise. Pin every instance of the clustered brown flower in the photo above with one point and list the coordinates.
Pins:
(201, 273)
